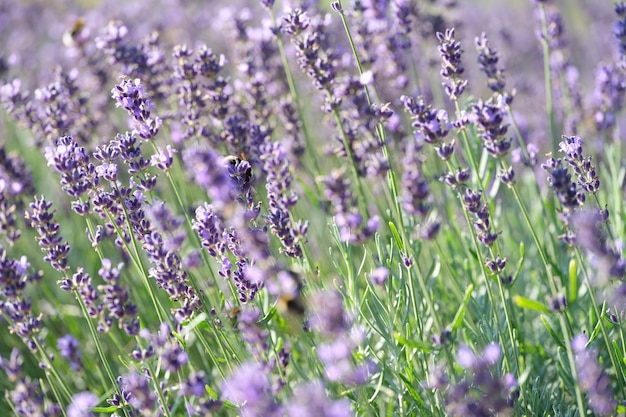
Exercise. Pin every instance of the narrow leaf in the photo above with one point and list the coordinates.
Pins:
(530, 304)
(552, 333)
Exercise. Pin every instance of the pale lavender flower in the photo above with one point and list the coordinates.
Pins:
(68, 347)
(481, 393)
(82, 405)
(380, 275)
(592, 379)
(249, 387)
(311, 400)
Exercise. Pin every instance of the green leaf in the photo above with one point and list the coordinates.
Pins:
(529, 304)
(414, 394)
(458, 317)
(106, 409)
(573, 282)
(552, 333)
(396, 235)
(420, 346)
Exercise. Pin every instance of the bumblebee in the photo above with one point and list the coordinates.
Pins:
(77, 34)
(290, 294)
(239, 169)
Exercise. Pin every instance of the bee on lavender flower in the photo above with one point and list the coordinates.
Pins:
(239, 169)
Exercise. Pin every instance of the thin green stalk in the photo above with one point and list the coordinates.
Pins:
(101, 354)
(565, 327)
(548, 77)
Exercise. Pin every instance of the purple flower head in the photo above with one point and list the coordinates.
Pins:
(163, 159)
(82, 405)
(72, 162)
(250, 388)
(208, 171)
(481, 393)
(592, 379)
(51, 243)
(488, 62)
(380, 275)
(68, 347)
(311, 400)
(131, 97)
(451, 66)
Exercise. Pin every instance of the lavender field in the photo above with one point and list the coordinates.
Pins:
(312, 209)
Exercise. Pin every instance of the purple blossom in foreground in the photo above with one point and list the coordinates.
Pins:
(81, 283)
(82, 405)
(589, 232)
(208, 171)
(379, 276)
(592, 379)
(489, 121)
(341, 338)
(250, 388)
(311, 400)
(72, 162)
(480, 393)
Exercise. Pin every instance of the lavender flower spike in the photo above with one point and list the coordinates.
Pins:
(131, 96)
(592, 380)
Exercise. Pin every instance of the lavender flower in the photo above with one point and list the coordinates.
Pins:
(619, 32)
(380, 275)
(330, 320)
(27, 397)
(592, 379)
(16, 182)
(72, 162)
(130, 96)
(489, 117)
(352, 227)
(51, 243)
(585, 171)
(451, 66)
(81, 283)
(82, 405)
(310, 400)
(208, 171)
(481, 393)
(68, 347)
(281, 200)
(250, 388)
(488, 62)
(560, 181)
(116, 300)
(14, 306)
